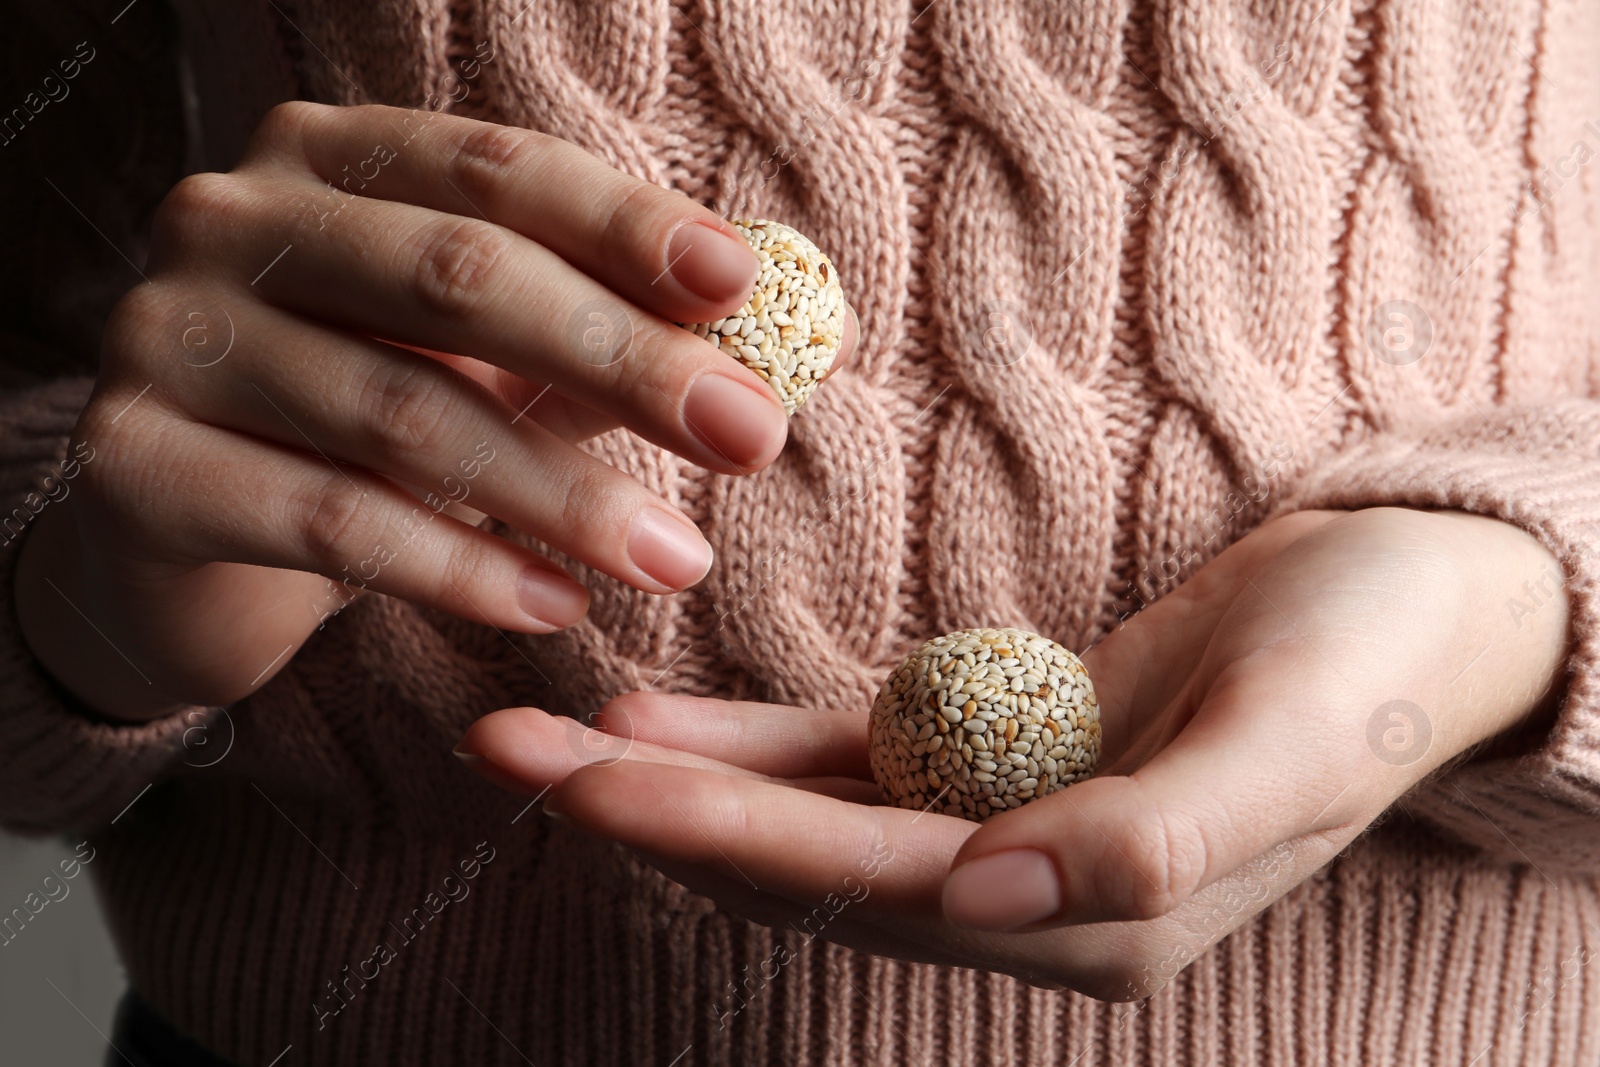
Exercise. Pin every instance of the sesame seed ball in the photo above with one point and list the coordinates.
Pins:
(791, 327)
(981, 721)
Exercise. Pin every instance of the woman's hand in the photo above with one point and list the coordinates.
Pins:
(382, 325)
(1255, 721)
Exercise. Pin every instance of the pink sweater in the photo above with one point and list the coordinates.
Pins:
(1196, 221)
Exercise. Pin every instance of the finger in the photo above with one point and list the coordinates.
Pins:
(831, 918)
(561, 415)
(1263, 760)
(657, 248)
(777, 838)
(436, 281)
(770, 739)
(528, 751)
(390, 410)
(300, 512)
(565, 417)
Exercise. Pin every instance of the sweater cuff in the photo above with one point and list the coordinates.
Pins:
(62, 767)
(1538, 468)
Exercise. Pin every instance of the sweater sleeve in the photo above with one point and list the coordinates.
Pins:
(61, 767)
(1537, 467)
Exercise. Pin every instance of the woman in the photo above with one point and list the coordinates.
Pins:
(1256, 350)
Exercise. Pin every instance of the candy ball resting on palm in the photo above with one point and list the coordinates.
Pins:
(793, 324)
(981, 721)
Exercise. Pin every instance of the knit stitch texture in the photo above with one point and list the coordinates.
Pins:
(1124, 272)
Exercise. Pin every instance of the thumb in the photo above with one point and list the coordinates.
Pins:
(1261, 762)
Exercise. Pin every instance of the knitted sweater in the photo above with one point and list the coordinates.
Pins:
(1132, 277)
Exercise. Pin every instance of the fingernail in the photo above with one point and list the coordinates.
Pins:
(743, 426)
(668, 548)
(551, 600)
(471, 759)
(1003, 891)
(712, 264)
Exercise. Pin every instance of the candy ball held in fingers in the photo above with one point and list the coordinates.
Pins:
(790, 329)
(981, 721)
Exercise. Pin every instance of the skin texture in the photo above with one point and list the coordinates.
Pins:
(1249, 736)
(299, 402)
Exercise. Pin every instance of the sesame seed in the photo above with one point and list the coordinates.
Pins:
(792, 327)
(1022, 709)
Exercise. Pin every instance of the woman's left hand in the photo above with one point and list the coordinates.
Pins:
(1255, 721)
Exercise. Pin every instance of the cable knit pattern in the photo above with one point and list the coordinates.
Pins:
(1120, 268)
(1045, 169)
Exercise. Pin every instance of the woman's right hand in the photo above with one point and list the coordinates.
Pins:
(381, 319)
